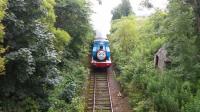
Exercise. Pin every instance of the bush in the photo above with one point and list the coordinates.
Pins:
(175, 89)
(66, 95)
(194, 104)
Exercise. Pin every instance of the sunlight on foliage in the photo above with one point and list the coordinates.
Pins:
(2, 50)
(62, 39)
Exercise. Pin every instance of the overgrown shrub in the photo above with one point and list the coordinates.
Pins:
(176, 89)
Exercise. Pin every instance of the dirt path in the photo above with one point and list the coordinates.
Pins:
(119, 103)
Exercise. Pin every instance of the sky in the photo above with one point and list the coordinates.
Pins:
(101, 18)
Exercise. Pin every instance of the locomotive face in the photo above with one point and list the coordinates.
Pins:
(101, 55)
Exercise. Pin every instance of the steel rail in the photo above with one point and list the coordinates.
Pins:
(94, 99)
(109, 92)
(100, 95)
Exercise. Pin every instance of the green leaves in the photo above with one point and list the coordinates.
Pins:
(28, 10)
(73, 17)
(176, 88)
(124, 33)
(2, 14)
(50, 18)
(32, 41)
(24, 64)
(69, 92)
(62, 39)
(32, 58)
(193, 104)
(3, 4)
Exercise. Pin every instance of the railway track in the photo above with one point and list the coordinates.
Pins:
(99, 99)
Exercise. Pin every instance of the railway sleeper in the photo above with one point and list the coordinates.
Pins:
(100, 97)
(103, 110)
(105, 81)
(101, 76)
(102, 102)
(91, 92)
(90, 99)
(91, 89)
(105, 107)
(102, 89)
(102, 94)
(103, 99)
(102, 84)
(90, 105)
(101, 80)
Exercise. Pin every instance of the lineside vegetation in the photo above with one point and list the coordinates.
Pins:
(134, 43)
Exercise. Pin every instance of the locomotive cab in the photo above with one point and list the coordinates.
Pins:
(101, 53)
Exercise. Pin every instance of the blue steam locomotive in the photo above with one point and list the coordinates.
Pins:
(101, 53)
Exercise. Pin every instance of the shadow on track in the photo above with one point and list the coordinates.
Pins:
(99, 70)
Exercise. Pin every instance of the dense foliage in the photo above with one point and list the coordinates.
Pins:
(41, 71)
(2, 50)
(176, 89)
(31, 59)
(73, 17)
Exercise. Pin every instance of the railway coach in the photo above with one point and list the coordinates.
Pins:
(100, 53)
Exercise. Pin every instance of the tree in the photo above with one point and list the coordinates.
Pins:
(147, 4)
(73, 17)
(35, 30)
(124, 33)
(31, 68)
(123, 9)
(62, 37)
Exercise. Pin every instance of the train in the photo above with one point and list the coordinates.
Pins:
(101, 56)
